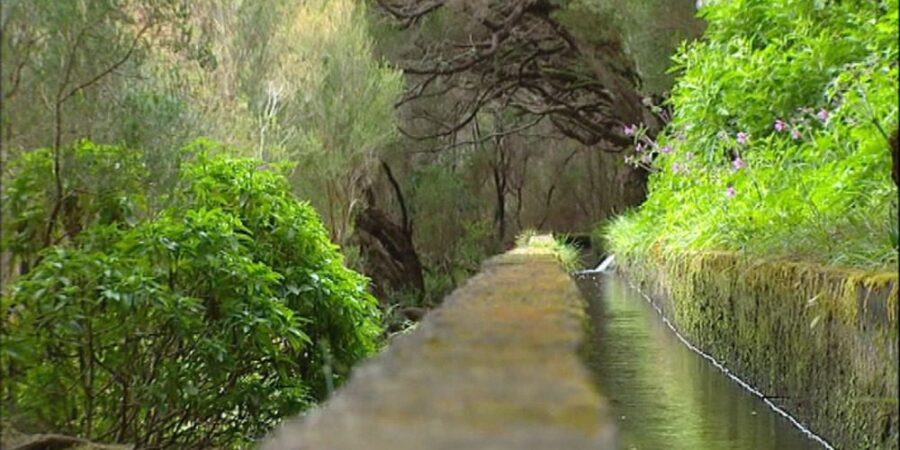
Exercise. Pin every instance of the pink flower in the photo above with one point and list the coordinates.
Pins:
(666, 149)
(743, 138)
(676, 168)
(738, 163)
(630, 130)
(795, 133)
(730, 192)
(823, 115)
(639, 147)
(780, 125)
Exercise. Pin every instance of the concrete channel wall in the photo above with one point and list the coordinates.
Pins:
(820, 342)
(495, 367)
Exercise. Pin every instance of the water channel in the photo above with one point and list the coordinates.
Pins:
(663, 394)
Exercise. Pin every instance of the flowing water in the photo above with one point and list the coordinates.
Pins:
(664, 395)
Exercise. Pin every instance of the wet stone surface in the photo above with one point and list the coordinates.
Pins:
(495, 367)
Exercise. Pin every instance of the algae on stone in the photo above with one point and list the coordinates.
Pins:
(820, 341)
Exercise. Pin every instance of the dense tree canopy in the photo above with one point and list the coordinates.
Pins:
(213, 209)
(521, 55)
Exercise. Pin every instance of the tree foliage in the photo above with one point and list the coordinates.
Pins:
(334, 104)
(520, 55)
(651, 32)
(198, 326)
(283, 80)
(779, 144)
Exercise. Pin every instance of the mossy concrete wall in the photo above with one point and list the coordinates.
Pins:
(495, 367)
(820, 342)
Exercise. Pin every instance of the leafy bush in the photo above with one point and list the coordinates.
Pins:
(199, 326)
(568, 255)
(779, 141)
(106, 184)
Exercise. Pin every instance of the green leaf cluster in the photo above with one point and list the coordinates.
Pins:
(106, 185)
(812, 85)
(201, 324)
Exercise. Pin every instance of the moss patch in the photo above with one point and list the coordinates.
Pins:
(821, 341)
(496, 365)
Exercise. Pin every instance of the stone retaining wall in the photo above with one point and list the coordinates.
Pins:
(821, 342)
(495, 367)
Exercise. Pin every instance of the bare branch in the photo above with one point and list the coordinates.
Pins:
(409, 15)
(111, 68)
(487, 137)
(519, 56)
(61, 97)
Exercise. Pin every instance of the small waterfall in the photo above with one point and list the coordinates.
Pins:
(608, 264)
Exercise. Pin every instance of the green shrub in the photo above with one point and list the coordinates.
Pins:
(104, 184)
(778, 145)
(200, 326)
(569, 256)
(524, 237)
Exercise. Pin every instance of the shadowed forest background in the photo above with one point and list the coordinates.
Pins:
(252, 195)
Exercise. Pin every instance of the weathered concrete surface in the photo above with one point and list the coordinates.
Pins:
(496, 367)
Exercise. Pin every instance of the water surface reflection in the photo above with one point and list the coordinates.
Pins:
(664, 395)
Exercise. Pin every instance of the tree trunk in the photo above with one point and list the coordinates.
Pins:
(500, 212)
(895, 156)
(391, 258)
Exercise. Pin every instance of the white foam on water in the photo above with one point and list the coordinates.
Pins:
(606, 266)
